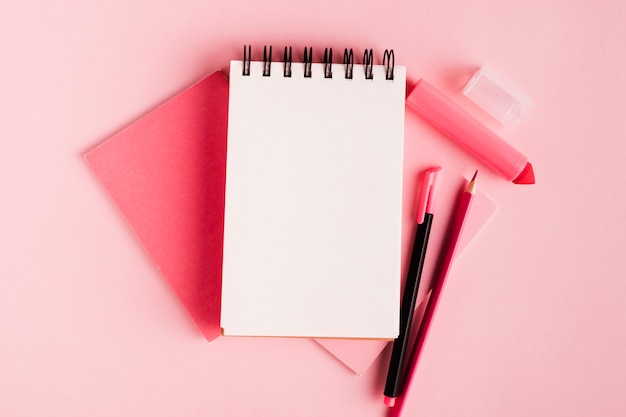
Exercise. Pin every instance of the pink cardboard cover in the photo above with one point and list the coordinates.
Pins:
(166, 173)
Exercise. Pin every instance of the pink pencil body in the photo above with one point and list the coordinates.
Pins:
(456, 228)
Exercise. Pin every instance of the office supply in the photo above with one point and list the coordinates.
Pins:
(497, 96)
(166, 173)
(312, 230)
(425, 211)
(443, 267)
(469, 133)
(127, 165)
(358, 355)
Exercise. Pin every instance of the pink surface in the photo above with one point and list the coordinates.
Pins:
(532, 319)
(166, 173)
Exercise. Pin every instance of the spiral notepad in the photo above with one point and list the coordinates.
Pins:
(313, 206)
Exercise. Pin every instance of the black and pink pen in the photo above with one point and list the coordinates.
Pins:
(425, 210)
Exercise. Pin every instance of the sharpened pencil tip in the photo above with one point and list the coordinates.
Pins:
(471, 187)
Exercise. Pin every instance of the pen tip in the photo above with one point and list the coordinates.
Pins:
(390, 401)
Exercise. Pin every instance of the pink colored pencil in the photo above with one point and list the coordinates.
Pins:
(444, 265)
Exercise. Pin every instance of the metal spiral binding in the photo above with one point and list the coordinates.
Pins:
(328, 63)
(287, 63)
(267, 62)
(389, 63)
(246, 60)
(348, 61)
(368, 63)
(308, 60)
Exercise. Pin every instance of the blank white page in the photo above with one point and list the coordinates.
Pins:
(313, 203)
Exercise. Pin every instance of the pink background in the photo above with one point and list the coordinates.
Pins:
(532, 321)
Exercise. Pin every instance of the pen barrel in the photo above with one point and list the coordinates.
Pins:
(466, 130)
(409, 299)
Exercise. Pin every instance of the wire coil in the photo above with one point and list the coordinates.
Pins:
(388, 62)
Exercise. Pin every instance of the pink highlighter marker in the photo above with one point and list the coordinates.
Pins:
(468, 132)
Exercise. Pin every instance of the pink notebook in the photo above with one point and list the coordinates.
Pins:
(166, 174)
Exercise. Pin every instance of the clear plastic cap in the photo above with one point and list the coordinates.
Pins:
(497, 96)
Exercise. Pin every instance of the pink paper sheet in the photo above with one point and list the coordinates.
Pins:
(166, 173)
